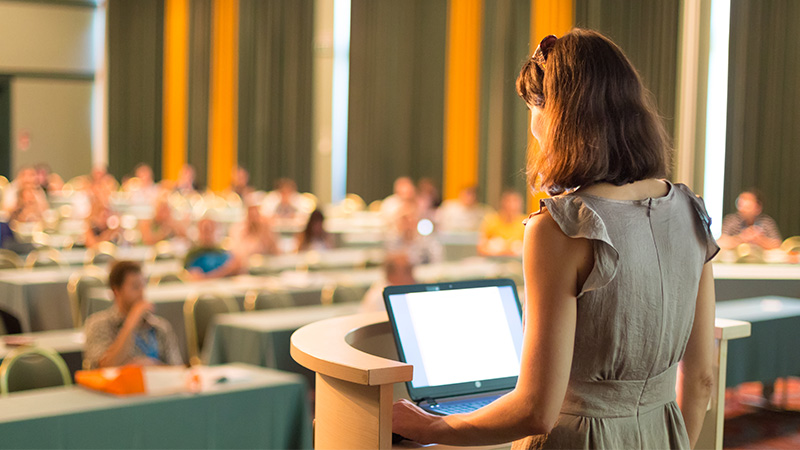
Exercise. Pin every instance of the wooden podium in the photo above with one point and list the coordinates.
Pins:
(358, 377)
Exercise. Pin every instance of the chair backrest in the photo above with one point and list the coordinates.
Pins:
(78, 287)
(256, 300)
(198, 313)
(791, 244)
(44, 258)
(749, 254)
(32, 368)
(104, 253)
(167, 278)
(163, 250)
(341, 294)
(9, 260)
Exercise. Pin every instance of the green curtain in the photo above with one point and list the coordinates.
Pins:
(504, 116)
(199, 87)
(648, 32)
(763, 136)
(397, 83)
(135, 61)
(276, 50)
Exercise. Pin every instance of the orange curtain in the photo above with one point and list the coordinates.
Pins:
(462, 91)
(223, 108)
(175, 85)
(547, 17)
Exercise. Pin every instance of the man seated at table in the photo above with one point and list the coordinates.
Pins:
(128, 332)
(206, 259)
(749, 225)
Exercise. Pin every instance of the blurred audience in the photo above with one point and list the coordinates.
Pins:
(254, 234)
(186, 184)
(749, 224)
(428, 198)
(102, 184)
(397, 271)
(163, 225)
(406, 237)
(240, 182)
(26, 179)
(404, 191)
(314, 237)
(28, 207)
(463, 213)
(207, 259)
(284, 202)
(128, 332)
(101, 224)
(48, 181)
(142, 185)
(502, 232)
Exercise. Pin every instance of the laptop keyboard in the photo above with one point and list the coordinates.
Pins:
(461, 406)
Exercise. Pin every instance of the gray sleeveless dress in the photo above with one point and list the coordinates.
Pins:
(635, 313)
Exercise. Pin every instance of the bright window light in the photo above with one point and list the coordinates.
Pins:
(717, 112)
(341, 86)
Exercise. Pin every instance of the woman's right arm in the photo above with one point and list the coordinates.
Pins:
(696, 368)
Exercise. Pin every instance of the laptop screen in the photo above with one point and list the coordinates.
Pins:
(460, 337)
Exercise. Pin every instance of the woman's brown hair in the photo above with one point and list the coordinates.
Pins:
(599, 122)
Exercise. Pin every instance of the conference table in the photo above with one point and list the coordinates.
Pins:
(67, 343)
(262, 338)
(735, 281)
(38, 297)
(768, 353)
(239, 406)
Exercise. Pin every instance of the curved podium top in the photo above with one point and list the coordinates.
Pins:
(330, 347)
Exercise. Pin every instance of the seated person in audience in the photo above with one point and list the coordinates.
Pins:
(207, 259)
(186, 184)
(406, 238)
(428, 198)
(163, 225)
(102, 184)
(314, 237)
(502, 232)
(463, 213)
(397, 271)
(749, 225)
(404, 191)
(25, 179)
(284, 202)
(240, 182)
(128, 332)
(48, 181)
(102, 225)
(143, 187)
(253, 235)
(29, 208)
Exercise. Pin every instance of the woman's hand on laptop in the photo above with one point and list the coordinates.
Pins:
(411, 422)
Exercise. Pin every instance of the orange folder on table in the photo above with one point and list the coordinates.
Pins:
(123, 380)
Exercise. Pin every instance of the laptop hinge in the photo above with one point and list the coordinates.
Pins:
(429, 401)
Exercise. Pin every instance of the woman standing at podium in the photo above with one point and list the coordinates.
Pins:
(619, 288)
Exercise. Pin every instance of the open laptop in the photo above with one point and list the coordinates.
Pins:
(464, 340)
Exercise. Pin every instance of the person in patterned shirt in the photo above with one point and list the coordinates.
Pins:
(128, 332)
(749, 225)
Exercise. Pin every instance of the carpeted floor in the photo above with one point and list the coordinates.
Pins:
(752, 423)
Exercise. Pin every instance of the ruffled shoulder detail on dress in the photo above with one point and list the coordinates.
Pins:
(705, 220)
(578, 220)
